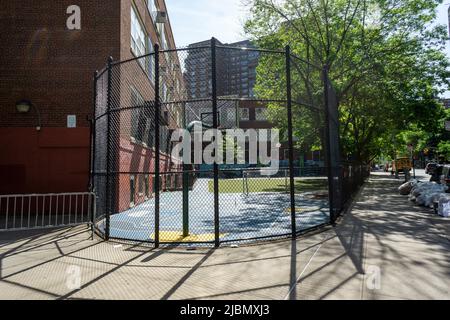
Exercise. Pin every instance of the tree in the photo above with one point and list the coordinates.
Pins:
(384, 61)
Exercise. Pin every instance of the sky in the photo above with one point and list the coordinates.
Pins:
(198, 20)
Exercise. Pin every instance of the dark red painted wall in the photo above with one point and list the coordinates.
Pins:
(46, 161)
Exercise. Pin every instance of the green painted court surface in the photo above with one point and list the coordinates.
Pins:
(268, 185)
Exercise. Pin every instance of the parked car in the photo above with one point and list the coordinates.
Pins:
(445, 177)
(430, 167)
(436, 174)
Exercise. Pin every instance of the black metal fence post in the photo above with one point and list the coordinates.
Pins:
(108, 153)
(185, 183)
(291, 141)
(215, 125)
(93, 138)
(157, 146)
(92, 123)
(327, 142)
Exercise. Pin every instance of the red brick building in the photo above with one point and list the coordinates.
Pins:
(51, 67)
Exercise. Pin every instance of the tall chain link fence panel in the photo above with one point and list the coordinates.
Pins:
(272, 177)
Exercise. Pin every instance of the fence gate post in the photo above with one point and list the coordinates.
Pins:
(291, 141)
(185, 183)
(108, 153)
(328, 142)
(333, 147)
(157, 147)
(93, 124)
(215, 126)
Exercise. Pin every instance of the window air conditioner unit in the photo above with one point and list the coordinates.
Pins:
(161, 17)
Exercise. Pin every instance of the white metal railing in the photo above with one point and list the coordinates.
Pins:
(34, 211)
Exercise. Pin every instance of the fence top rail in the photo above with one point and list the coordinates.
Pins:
(185, 49)
(47, 194)
(251, 49)
(119, 62)
(115, 63)
(250, 99)
(262, 169)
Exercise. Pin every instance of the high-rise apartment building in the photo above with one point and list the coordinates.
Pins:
(236, 69)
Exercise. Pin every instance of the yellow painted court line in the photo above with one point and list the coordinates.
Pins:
(175, 236)
(302, 210)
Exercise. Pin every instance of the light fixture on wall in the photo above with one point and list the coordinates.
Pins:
(24, 106)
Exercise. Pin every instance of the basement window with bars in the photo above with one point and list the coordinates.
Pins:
(245, 114)
(132, 191)
(141, 185)
(260, 114)
(137, 37)
(147, 186)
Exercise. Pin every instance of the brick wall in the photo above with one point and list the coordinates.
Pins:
(44, 62)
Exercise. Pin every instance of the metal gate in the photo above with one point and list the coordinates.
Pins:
(41, 211)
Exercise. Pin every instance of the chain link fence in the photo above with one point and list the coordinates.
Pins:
(266, 119)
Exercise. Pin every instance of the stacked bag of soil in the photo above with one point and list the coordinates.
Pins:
(428, 194)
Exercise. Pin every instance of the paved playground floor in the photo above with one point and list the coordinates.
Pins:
(384, 235)
(256, 215)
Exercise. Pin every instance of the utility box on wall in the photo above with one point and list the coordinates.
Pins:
(71, 121)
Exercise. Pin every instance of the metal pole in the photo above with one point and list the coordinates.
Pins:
(215, 126)
(397, 176)
(108, 153)
(185, 188)
(328, 144)
(93, 124)
(157, 146)
(291, 141)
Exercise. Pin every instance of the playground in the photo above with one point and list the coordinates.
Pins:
(261, 211)
(148, 190)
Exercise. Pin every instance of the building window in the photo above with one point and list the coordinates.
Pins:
(164, 140)
(164, 92)
(137, 37)
(132, 190)
(245, 114)
(141, 185)
(260, 114)
(147, 186)
(151, 61)
(138, 120)
(152, 8)
(162, 36)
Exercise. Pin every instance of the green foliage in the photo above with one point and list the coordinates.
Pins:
(385, 64)
(444, 149)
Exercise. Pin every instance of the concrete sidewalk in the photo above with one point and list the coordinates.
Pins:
(385, 248)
